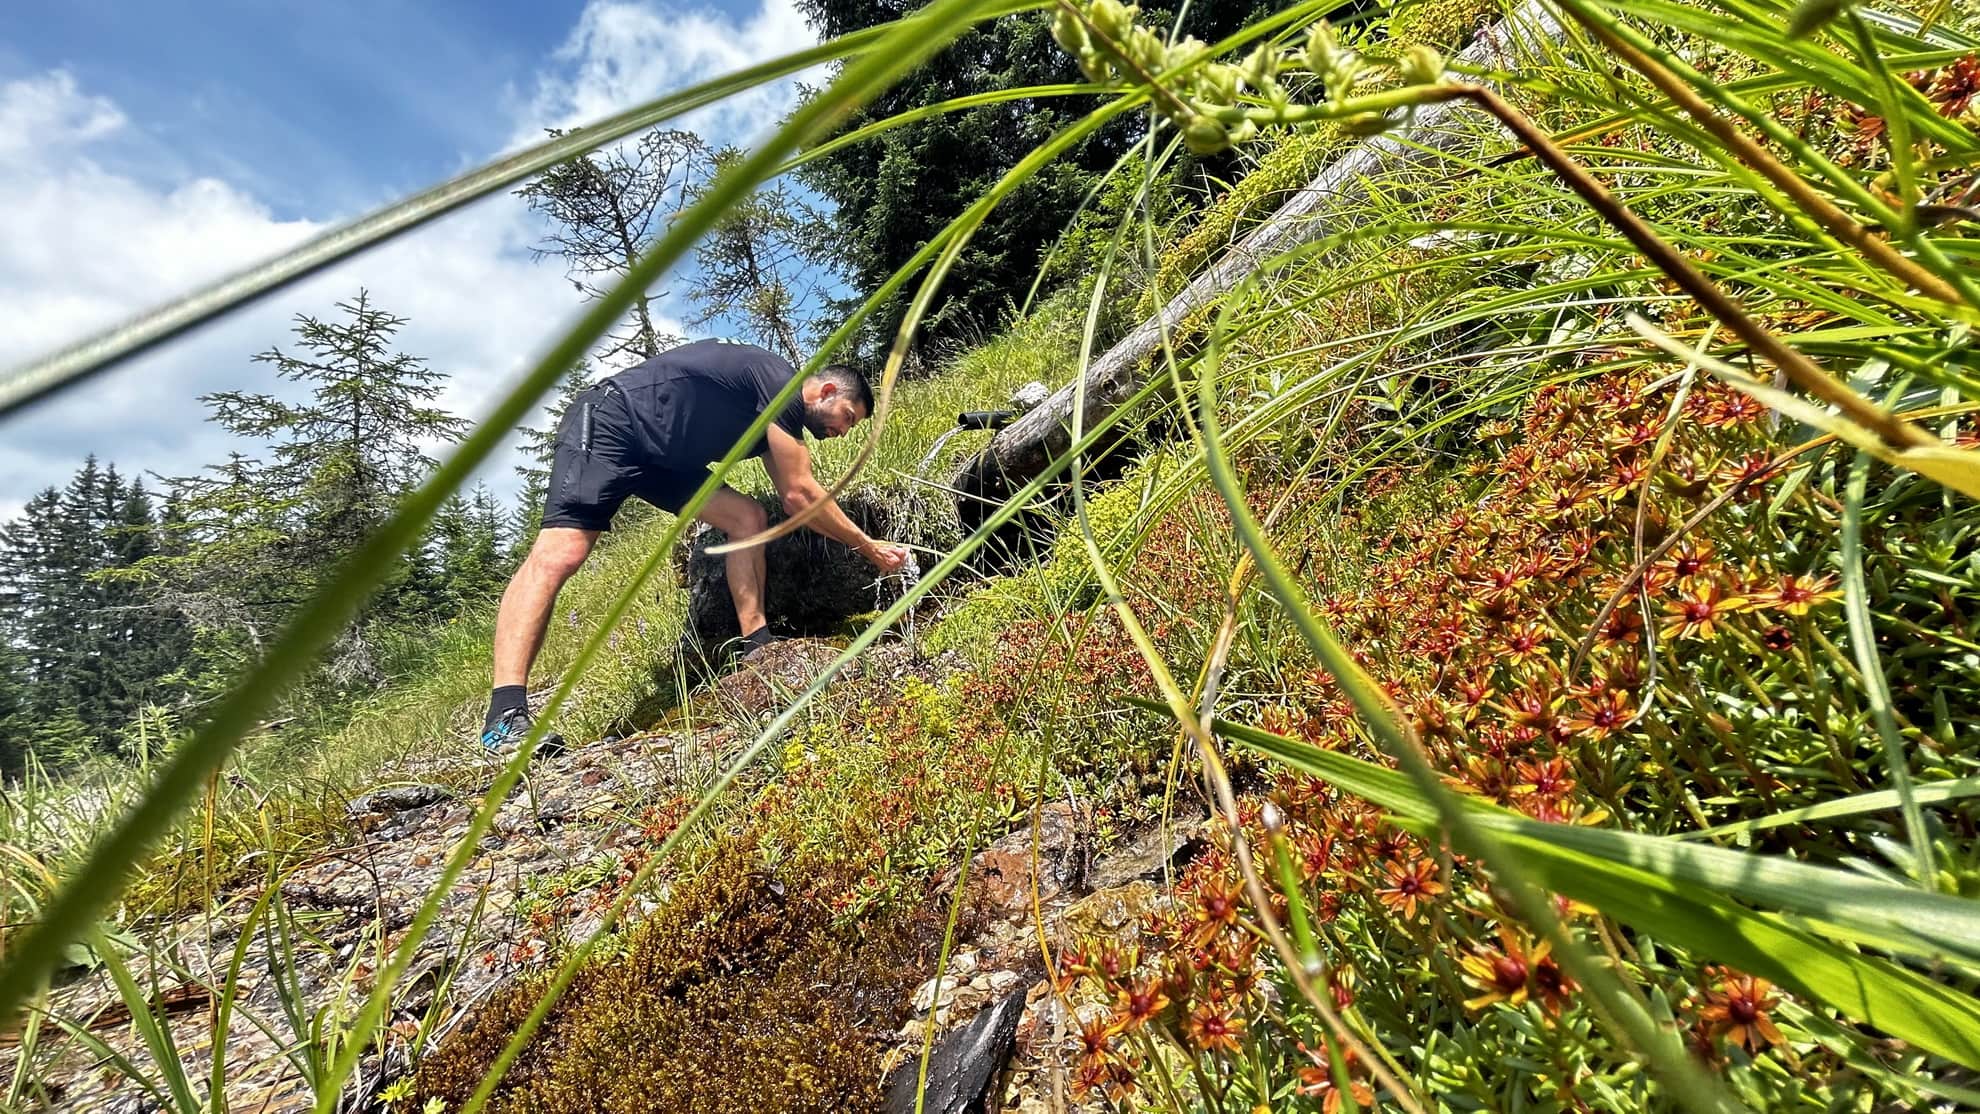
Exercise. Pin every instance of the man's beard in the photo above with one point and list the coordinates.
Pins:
(816, 424)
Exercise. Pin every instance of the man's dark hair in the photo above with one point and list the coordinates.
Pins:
(850, 380)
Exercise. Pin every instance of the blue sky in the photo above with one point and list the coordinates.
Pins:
(146, 147)
(314, 106)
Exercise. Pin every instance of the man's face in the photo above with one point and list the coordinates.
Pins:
(832, 413)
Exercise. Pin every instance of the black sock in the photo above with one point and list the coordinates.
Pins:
(760, 637)
(505, 698)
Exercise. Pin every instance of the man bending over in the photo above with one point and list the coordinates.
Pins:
(651, 432)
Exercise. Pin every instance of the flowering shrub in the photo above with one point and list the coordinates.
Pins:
(1573, 639)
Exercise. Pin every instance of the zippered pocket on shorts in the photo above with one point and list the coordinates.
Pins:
(584, 430)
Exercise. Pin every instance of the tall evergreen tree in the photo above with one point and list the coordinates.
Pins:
(608, 207)
(13, 709)
(766, 267)
(80, 643)
(896, 191)
(341, 459)
(466, 550)
(253, 538)
(145, 643)
(32, 584)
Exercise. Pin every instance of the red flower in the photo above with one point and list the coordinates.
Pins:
(1699, 613)
(1956, 86)
(1623, 626)
(1137, 1005)
(1601, 712)
(1525, 641)
(1318, 1081)
(1748, 472)
(1736, 1008)
(1216, 909)
(1214, 1027)
(1410, 883)
(1502, 975)
(1795, 595)
(1689, 560)
(1551, 778)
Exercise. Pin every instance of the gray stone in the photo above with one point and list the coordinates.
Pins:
(398, 798)
(1147, 854)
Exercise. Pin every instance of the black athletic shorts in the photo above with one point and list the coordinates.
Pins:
(600, 460)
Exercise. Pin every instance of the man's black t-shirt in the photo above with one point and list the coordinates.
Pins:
(690, 404)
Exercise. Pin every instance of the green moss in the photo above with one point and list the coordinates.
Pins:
(1064, 580)
(1292, 156)
(970, 627)
(1445, 24)
(736, 995)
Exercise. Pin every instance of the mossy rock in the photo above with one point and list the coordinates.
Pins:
(815, 583)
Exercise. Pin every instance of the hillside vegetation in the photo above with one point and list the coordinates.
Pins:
(1555, 581)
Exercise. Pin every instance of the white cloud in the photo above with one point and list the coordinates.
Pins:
(49, 110)
(623, 53)
(85, 240)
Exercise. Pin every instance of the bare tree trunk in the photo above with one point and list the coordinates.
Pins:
(1023, 449)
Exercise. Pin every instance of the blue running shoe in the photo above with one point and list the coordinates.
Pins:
(508, 732)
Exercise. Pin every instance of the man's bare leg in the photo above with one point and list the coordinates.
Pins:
(739, 516)
(532, 591)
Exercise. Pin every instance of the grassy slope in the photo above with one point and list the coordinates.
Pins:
(886, 785)
(1435, 471)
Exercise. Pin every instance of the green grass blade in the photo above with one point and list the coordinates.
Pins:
(907, 43)
(1881, 800)
(107, 1054)
(1929, 1014)
(229, 991)
(106, 868)
(151, 1024)
(1622, 1010)
(1687, 907)
(1876, 689)
(1895, 917)
(935, 576)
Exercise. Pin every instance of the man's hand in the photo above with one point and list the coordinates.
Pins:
(884, 556)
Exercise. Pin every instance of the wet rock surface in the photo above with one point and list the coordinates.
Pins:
(814, 583)
(767, 681)
(962, 1067)
(999, 951)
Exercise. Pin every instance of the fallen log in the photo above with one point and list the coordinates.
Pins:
(1022, 449)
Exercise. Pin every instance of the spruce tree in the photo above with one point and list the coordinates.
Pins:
(466, 549)
(253, 538)
(767, 267)
(340, 460)
(145, 642)
(14, 723)
(608, 207)
(894, 193)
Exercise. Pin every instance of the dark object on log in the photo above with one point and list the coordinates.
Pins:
(1026, 446)
(964, 1065)
(815, 583)
(985, 419)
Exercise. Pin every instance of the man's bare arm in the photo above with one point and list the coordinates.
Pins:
(789, 465)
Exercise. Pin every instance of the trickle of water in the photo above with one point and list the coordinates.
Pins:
(933, 450)
(909, 574)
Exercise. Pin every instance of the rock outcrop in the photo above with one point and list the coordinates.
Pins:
(815, 584)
